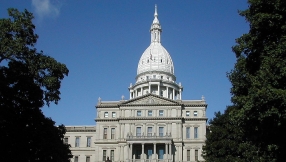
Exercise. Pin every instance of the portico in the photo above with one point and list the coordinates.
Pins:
(150, 149)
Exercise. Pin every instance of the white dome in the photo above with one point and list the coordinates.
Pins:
(155, 58)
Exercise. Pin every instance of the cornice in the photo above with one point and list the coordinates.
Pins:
(150, 118)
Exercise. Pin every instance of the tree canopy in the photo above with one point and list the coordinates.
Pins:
(29, 79)
(259, 82)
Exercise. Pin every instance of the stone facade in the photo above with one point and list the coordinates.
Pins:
(154, 125)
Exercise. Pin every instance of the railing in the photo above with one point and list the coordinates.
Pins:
(141, 136)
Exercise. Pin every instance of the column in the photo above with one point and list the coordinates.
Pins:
(170, 151)
(167, 91)
(159, 89)
(131, 148)
(142, 154)
(130, 96)
(120, 130)
(155, 129)
(141, 91)
(123, 125)
(166, 150)
(120, 153)
(149, 88)
(180, 94)
(155, 155)
(173, 94)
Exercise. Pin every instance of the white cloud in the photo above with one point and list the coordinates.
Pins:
(45, 8)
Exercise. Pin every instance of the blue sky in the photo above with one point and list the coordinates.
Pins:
(101, 42)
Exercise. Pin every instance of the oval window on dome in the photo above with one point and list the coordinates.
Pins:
(148, 61)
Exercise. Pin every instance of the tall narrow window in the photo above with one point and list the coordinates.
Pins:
(88, 141)
(196, 155)
(187, 113)
(66, 140)
(138, 131)
(77, 142)
(149, 131)
(113, 114)
(138, 113)
(161, 131)
(112, 133)
(112, 155)
(76, 159)
(149, 112)
(105, 133)
(187, 132)
(195, 113)
(104, 155)
(195, 132)
(106, 114)
(188, 155)
(87, 159)
(161, 112)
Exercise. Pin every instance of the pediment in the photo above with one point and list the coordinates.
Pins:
(150, 99)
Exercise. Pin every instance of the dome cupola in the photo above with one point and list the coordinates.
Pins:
(155, 72)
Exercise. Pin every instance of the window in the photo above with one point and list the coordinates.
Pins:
(88, 141)
(196, 132)
(138, 113)
(76, 159)
(112, 133)
(188, 132)
(196, 155)
(149, 112)
(66, 140)
(187, 113)
(195, 113)
(161, 77)
(161, 94)
(188, 155)
(161, 112)
(77, 142)
(138, 131)
(104, 155)
(154, 76)
(161, 131)
(112, 155)
(149, 130)
(147, 77)
(113, 114)
(87, 159)
(105, 133)
(106, 114)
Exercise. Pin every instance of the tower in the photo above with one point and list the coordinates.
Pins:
(155, 72)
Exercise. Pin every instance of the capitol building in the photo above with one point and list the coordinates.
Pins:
(154, 125)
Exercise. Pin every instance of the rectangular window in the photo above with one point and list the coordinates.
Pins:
(188, 155)
(149, 130)
(138, 113)
(112, 133)
(138, 131)
(154, 76)
(161, 112)
(196, 155)
(105, 133)
(112, 155)
(113, 114)
(195, 132)
(161, 131)
(195, 113)
(187, 113)
(76, 159)
(87, 159)
(147, 77)
(66, 140)
(187, 132)
(104, 155)
(77, 142)
(106, 114)
(88, 141)
(149, 112)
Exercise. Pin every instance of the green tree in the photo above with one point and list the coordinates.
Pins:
(28, 80)
(259, 79)
(258, 87)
